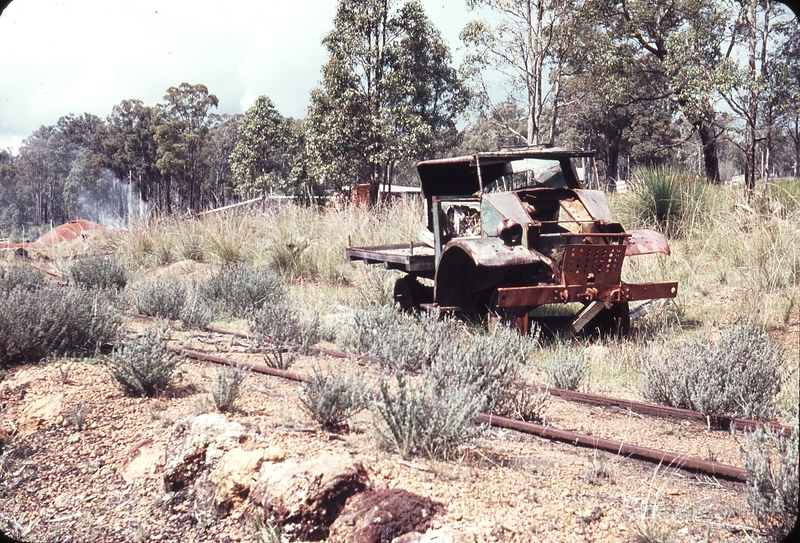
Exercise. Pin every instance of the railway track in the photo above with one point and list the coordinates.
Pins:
(663, 457)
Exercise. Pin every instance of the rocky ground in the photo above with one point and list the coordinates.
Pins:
(85, 462)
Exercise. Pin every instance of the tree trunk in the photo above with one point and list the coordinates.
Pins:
(710, 158)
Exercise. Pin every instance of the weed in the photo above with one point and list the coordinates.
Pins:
(54, 320)
(331, 398)
(738, 375)
(162, 298)
(227, 387)
(566, 368)
(281, 334)
(143, 366)
(78, 415)
(650, 531)
(98, 271)
(197, 312)
(771, 462)
(63, 371)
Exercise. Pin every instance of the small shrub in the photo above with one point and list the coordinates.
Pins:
(771, 462)
(98, 271)
(566, 368)
(331, 398)
(282, 335)
(527, 403)
(53, 320)
(143, 366)
(162, 298)
(20, 276)
(78, 415)
(739, 375)
(240, 288)
(197, 312)
(227, 387)
(426, 419)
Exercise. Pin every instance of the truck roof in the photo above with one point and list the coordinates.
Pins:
(463, 175)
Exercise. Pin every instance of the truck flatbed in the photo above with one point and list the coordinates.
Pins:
(415, 259)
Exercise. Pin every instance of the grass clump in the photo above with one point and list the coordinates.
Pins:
(739, 375)
(771, 462)
(162, 298)
(332, 399)
(566, 368)
(98, 271)
(227, 387)
(665, 199)
(53, 320)
(143, 366)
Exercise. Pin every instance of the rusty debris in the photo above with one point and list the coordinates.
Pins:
(64, 233)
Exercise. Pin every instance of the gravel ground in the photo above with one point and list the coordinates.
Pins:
(64, 483)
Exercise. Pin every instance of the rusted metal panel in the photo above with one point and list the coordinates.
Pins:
(592, 264)
(645, 242)
(492, 252)
(596, 204)
(553, 294)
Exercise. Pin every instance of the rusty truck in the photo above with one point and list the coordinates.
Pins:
(514, 232)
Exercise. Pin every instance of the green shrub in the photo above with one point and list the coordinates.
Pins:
(163, 298)
(227, 387)
(55, 320)
(771, 462)
(98, 271)
(332, 398)
(665, 199)
(20, 276)
(281, 334)
(426, 419)
(143, 366)
(738, 375)
(522, 402)
(566, 368)
(240, 288)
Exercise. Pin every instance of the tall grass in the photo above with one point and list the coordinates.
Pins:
(665, 199)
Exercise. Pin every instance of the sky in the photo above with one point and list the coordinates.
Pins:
(84, 56)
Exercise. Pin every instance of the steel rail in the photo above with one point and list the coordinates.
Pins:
(677, 460)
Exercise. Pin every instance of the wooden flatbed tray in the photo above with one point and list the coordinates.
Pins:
(408, 257)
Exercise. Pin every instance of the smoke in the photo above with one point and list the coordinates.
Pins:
(111, 202)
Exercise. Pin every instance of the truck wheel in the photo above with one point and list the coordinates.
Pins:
(407, 294)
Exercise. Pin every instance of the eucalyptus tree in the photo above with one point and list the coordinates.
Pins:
(129, 150)
(388, 94)
(523, 45)
(181, 126)
(259, 160)
(219, 187)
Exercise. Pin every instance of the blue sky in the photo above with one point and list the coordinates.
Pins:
(59, 57)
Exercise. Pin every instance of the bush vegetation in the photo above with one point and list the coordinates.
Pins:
(162, 298)
(332, 398)
(227, 387)
(20, 276)
(143, 366)
(99, 271)
(739, 375)
(239, 288)
(281, 334)
(566, 367)
(51, 320)
(771, 462)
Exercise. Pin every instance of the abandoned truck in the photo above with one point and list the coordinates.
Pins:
(510, 233)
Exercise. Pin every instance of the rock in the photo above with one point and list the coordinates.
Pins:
(142, 460)
(305, 498)
(40, 414)
(234, 474)
(380, 516)
(445, 534)
(197, 444)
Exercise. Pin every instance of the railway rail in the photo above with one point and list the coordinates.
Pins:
(666, 458)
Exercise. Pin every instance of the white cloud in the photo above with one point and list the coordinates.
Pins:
(59, 57)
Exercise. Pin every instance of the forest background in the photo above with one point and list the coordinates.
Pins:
(709, 87)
